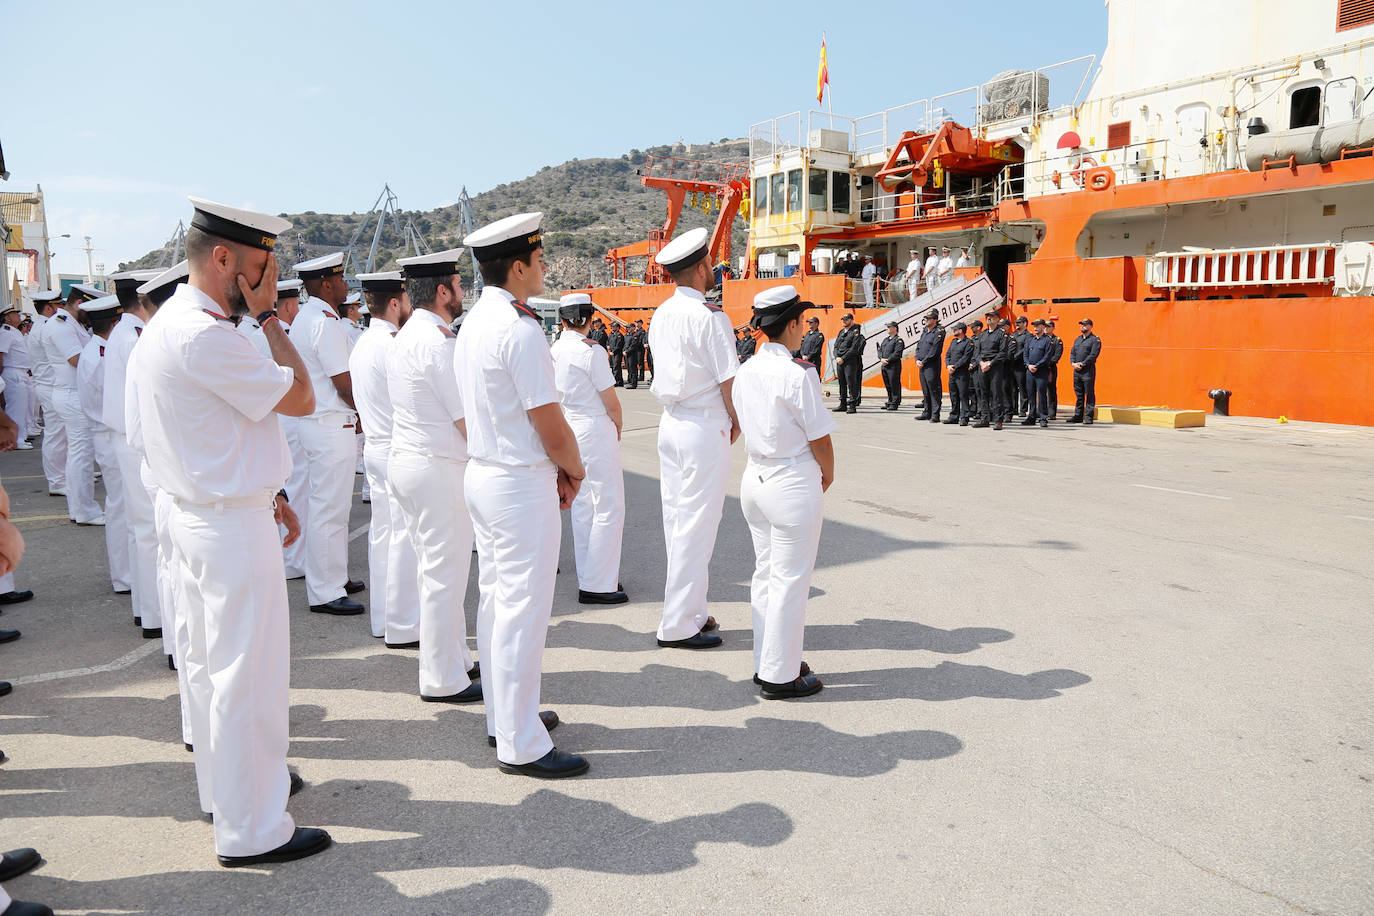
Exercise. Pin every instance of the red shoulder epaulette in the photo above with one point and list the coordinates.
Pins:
(713, 307)
(803, 363)
(447, 332)
(524, 309)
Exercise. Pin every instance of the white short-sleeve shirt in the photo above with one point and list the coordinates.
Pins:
(90, 383)
(63, 341)
(779, 403)
(204, 400)
(425, 404)
(581, 370)
(15, 348)
(118, 349)
(38, 351)
(694, 351)
(321, 338)
(367, 367)
(504, 369)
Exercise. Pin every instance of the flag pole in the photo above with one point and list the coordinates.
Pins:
(830, 95)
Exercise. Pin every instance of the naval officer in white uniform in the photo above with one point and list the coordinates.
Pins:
(695, 361)
(428, 459)
(321, 338)
(14, 352)
(64, 338)
(285, 309)
(392, 566)
(786, 431)
(524, 466)
(48, 302)
(582, 371)
(913, 275)
(205, 402)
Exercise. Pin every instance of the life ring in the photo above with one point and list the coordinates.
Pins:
(1077, 174)
(1100, 179)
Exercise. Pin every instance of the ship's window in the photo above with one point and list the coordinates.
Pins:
(1118, 135)
(1305, 107)
(1341, 101)
(1351, 14)
(760, 202)
(794, 190)
(839, 192)
(815, 189)
(777, 193)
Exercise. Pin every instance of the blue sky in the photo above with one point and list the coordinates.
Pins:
(286, 106)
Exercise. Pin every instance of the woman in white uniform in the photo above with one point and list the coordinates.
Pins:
(786, 431)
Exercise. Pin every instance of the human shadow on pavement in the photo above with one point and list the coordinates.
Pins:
(947, 681)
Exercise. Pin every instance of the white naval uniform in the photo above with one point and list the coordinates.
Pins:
(582, 372)
(963, 261)
(90, 389)
(425, 468)
(6, 586)
(326, 437)
(945, 272)
(64, 341)
(694, 353)
(781, 411)
(355, 334)
(869, 276)
(913, 278)
(391, 561)
(504, 369)
(138, 500)
(205, 398)
(54, 432)
(298, 484)
(930, 272)
(18, 384)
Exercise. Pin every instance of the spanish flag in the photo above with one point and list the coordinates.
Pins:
(822, 74)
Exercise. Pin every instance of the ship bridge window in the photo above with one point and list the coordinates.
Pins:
(777, 193)
(839, 192)
(794, 190)
(816, 180)
(760, 202)
(1305, 107)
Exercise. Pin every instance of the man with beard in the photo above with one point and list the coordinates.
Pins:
(205, 400)
(391, 558)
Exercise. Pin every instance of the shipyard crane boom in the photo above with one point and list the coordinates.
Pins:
(467, 223)
(382, 207)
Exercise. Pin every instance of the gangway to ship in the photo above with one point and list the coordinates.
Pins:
(961, 299)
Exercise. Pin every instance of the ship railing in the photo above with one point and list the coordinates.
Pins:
(1230, 267)
(699, 170)
(1069, 171)
(885, 208)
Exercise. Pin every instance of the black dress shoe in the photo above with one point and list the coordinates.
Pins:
(17, 861)
(6, 688)
(699, 641)
(353, 586)
(804, 671)
(171, 663)
(190, 748)
(306, 841)
(852, 410)
(935, 419)
(1087, 422)
(950, 421)
(342, 607)
(1074, 420)
(963, 421)
(470, 694)
(841, 409)
(8, 635)
(553, 765)
(403, 645)
(296, 783)
(1028, 422)
(152, 632)
(138, 621)
(801, 687)
(710, 625)
(475, 671)
(18, 597)
(923, 416)
(548, 717)
(616, 597)
(25, 908)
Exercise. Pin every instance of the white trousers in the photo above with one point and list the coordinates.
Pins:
(138, 507)
(515, 520)
(176, 632)
(17, 395)
(116, 515)
(783, 506)
(329, 455)
(298, 494)
(238, 663)
(81, 504)
(870, 291)
(54, 441)
(360, 441)
(694, 470)
(913, 285)
(430, 493)
(392, 563)
(598, 512)
(35, 409)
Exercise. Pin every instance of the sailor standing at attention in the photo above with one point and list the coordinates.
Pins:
(14, 368)
(695, 347)
(930, 346)
(583, 376)
(890, 350)
(46, 302)
(524, 468)
(395, 604)
(286, 308)
(90, 389)
(913, 275)
(321, 338)
(65, 338)
(205, 399)
(786, 431)
(427, 459)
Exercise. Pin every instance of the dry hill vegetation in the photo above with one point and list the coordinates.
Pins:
(589, 206)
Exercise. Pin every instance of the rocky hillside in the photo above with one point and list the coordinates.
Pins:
(589, 206)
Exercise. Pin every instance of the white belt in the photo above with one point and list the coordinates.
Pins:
(803, 458)
(706, 413)
(545, 465)
(578, 415)
(416, 453)
(265, 499)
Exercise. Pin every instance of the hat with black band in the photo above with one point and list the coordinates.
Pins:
(438, 264)
(777, 305)
(169, 277)
(330, 265)
(131, 280)
(387, 281)
(80, 292)
(506, 238)
(289, 289)
(103, 307)
(256, 230)
(684, 251)
(576, 307)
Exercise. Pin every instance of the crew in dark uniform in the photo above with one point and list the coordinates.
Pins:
(975, 378)
(598, 333)
(634, 356)
(615, 345)
(849, 356)
(1019, 396)
(959, 358)
(746, 345)
(991, 350)
(1010, 367)
(1038, 353)
(1083, 358)
(812, 345)
(890, 359)
(648, 351)
(1054, 368)
(929, 348)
